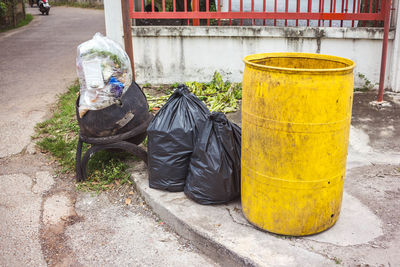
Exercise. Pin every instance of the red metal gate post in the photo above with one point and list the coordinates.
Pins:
(127, 25)
(195, 8)
(388, 5)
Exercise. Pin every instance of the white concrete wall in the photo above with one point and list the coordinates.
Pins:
(175, 54)
(113, 21)
(395, 55)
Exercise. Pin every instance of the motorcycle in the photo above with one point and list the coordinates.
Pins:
(44, 6)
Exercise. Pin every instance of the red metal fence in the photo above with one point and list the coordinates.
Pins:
(322, 12)
(264, 12)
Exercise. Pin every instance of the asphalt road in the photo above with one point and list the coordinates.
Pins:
(37, 62)
(44, 221)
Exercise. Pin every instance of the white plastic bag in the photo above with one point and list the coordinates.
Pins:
(104, 72)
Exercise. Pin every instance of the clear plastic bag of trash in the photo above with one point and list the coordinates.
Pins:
(104, 72)
(171, 137)
(214, 169)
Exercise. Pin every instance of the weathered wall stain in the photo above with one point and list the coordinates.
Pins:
(180, 53)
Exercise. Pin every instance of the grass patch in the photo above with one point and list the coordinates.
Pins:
(218, 95)
(28, 18)
(77, 4)
(59, 136)
(337, 260)
(108, 170)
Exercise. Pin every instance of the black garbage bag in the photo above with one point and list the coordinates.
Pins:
(171, 136)
(214, 169)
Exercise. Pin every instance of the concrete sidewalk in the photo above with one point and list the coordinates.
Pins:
(366, 234)
(44, 220)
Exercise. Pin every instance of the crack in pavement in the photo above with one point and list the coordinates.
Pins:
(41, 205)
(57, 212)
(234, 220)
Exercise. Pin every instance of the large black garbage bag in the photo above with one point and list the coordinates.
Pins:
(171, 136)
(214, 170)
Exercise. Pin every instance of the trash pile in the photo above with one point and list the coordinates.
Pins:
(171, 137)
(189, 148)
(214, 170)
(104, 72)
(194, 151)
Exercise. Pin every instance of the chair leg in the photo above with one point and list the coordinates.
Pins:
(78, 159)
(87, 156)
(133, 149)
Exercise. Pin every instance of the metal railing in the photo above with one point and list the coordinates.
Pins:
(318, 13)
(323, 13)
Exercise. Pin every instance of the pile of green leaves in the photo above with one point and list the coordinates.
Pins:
(218, 95)
(59, 136)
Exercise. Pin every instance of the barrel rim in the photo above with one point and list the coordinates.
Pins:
(349, 68)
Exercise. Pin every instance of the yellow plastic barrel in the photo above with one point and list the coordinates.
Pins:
(296, 114)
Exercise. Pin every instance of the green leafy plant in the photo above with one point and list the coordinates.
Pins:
(28, 18)
(218, 95)
(146, 85)
(3, 9)
(366, 84)
(174, 85)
